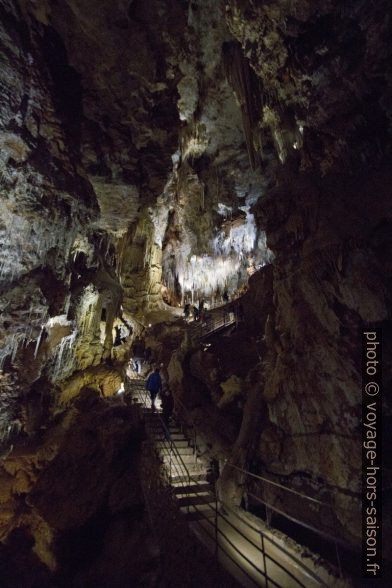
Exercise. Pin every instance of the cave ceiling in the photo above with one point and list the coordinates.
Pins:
(177, 117)
(171, 130)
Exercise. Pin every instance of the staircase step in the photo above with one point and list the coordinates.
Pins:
(195, 477)
(183, 452)
(158, 426)
(198, 511)
(197, 499)
(239, 543)
(189, 468)
(200, 487)
(180, 444)
(174, 437)
(186, 459)
(160, 430)
(204, 529)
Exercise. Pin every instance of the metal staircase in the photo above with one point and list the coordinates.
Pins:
(186, 472)
(252, 554)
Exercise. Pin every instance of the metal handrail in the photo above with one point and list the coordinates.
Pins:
(176, 466)
(194, 432)
(278, 485)
(248, 473)
(190, 478)
(333, 538)
(182, 467)
(167, 439)
(295, 520)
(226, 538)
(219, 531)
(257, 476)
(280, 547)
(307, 525)
(213, 323)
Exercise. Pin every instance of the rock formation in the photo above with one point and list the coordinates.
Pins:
(160, 153)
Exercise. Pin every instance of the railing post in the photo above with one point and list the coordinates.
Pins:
(246, 499)
(268, 516)
(170, 463)
(264, 559)
(335, 538)
(194, 444)
(216, 527)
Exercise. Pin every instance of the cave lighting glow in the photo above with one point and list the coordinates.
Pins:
(86, 313)
(60, 320)
(240, 240)
(206, 274)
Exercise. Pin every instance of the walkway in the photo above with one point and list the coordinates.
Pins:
(216, 319)
(253, 554)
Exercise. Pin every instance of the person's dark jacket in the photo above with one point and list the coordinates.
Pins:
(154, 382)
(167, 401)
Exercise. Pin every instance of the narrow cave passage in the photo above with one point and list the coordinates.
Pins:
(195, 263)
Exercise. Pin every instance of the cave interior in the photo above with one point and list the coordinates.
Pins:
(199, 187)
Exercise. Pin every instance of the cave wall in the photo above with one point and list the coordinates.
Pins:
(46, 200)
(323, 296)
(72, 174)
(72, 505)
(313, 85)
(328, 224)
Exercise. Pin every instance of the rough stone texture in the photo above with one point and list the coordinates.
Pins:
(330, 284)
(40, 181)
(326, 228)
(142, 143)
(102, 378)
(49, 263)
(77, 492)
(300, 50)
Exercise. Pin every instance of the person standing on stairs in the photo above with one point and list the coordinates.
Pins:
(187, 311)
(167, 407)
(154, 386)
(117, 340)
(196, 313)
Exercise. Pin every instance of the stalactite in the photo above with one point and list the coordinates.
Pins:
(247, 88)
(39, 341)
(64, 358)
(67, 304)
(202, 195)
